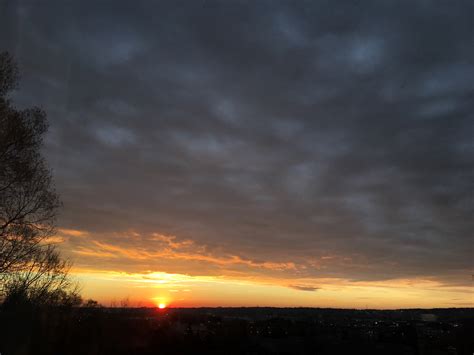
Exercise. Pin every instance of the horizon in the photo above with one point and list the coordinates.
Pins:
(243, 154)
(269, 307)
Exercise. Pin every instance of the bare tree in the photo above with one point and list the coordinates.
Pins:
(28, 200)
(45, 281)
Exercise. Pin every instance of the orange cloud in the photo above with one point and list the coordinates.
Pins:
(72, 232)
(185, 264)
(175, 250)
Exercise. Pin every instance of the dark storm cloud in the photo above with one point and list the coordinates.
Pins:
(282, 131)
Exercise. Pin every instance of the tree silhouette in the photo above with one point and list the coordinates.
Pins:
(29, 266)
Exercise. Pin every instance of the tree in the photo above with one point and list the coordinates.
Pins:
(45, 282)
(28, 202)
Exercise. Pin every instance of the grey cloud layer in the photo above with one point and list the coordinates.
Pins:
(278, 130)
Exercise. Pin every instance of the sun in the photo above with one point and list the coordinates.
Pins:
(160, 302)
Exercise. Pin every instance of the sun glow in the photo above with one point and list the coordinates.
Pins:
(181, 290)
(162, 305)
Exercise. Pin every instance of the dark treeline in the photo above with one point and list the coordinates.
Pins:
(99, 330)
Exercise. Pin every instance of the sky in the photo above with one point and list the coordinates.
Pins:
(257, 153)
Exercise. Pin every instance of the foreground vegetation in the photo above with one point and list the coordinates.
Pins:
(98, 330)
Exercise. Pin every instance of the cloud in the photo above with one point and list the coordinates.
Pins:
(273, 134)
(161, 252)
(72, 232)
(304, 288)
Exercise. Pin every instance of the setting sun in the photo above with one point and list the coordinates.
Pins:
(161, 305)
